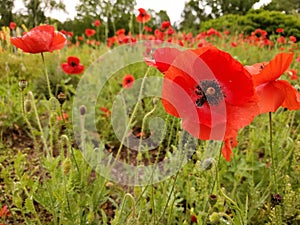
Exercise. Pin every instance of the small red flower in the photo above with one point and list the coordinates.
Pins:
(128, 81)
(143, 16)
(89, 32)
(72, 66)
(12, 25)
(165, 25)
(293, 39)
(214, 100)
(273, 93)
(148, 29)
(97, 23)
(64, 117)
(281, 40)
(279, 30)
(40, 39)
(4, 211)
(106, 112)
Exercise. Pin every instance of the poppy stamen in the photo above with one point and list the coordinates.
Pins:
(208, 91)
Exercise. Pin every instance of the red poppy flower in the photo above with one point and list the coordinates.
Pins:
(128, 81)
(12, 25)
(279, 30)
(148, 29)
(143, 16)
(165, 25)
(73, 65)
(97, 23)
(272, 92)
(214, 100)
(106, 112)
(89, 32)
(40, 39)
(293, 39)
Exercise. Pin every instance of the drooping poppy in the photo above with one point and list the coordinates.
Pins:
(209, 90)
(128, 81)
(40, 39)
(273, 93)
(72, 66)
(143, 16)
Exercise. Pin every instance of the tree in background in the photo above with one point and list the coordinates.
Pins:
(288, 6)
(35, 10)
(193, 14)
(196, 11)
(6, 15)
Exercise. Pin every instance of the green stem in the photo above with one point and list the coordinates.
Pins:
(132, 115)
(271, 152)
(38, 122)
(46, 74)
(27, 121)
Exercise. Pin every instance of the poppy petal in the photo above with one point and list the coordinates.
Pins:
(274, 69)
(164, 57)
(292, 96)
(59, 41)
(270, 97)
(227, 148)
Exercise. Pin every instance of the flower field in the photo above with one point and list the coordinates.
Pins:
(157, 127)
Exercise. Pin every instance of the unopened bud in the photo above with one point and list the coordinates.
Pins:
(155, 100)
(213, 199)
(82, 110)
(207, 163)
(22, 84)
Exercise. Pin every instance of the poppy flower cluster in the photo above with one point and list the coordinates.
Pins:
(72, 66)
(40, 39)
(215, 100)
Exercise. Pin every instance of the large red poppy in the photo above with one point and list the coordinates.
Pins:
(72, 66)
(272, 92)
(40, 39)
(143, 16)
(209, 90)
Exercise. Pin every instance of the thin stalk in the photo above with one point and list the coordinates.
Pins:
(271, 152)
(132, 115)
(38, 122)
(26, 119)
(46, 75)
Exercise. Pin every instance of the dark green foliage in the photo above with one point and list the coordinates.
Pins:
(267, 20)
(6, 12)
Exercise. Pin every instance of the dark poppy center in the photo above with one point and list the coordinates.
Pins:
(208, 91)
(128, 81)
(73, 64)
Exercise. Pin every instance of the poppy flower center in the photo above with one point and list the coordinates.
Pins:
(208, 91)
(73, 64)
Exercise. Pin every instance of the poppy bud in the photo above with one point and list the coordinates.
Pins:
(155, 100)
(22, 84)
(82, 110)
(207, 163)
(61, 97)
(213, 199)
(276, 199)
